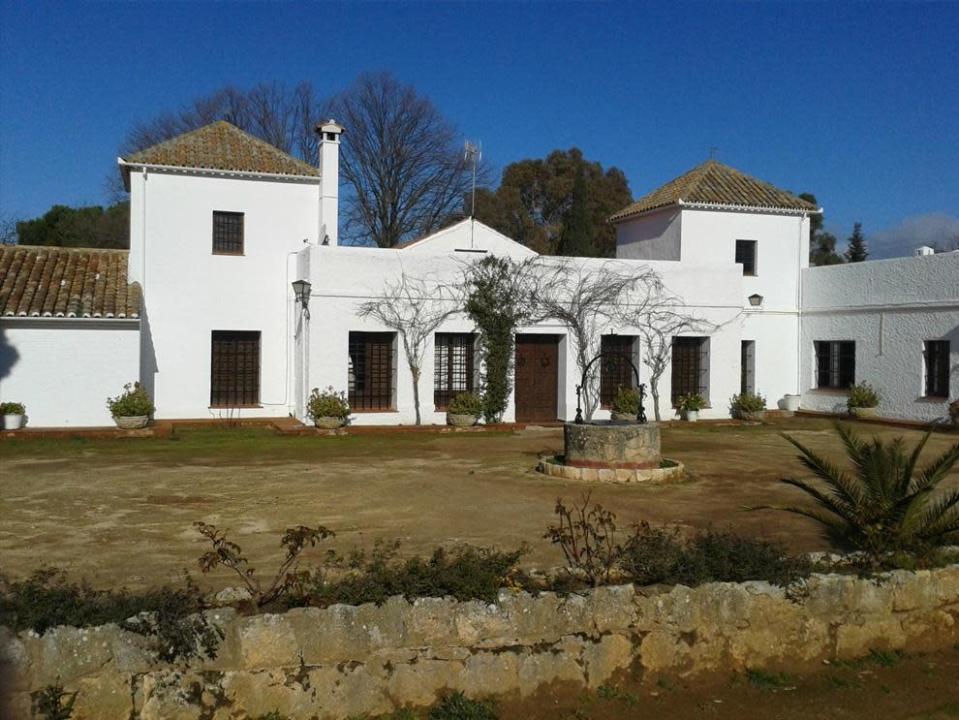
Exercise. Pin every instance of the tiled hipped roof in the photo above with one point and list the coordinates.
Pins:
(713, 183)
(66, 283)
(222, 146)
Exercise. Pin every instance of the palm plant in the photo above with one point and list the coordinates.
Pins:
(885, 505)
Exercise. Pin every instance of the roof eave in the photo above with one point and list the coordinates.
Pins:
(127, 165)
(682, 204)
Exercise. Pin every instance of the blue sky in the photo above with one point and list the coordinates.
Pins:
(855, 102)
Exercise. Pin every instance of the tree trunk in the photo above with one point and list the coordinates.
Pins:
(416, 391)
(654, 391)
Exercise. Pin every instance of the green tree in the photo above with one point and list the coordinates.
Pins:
(822, 244)
(857, 251)
(535, 199)
(93, 226)
(577, 235)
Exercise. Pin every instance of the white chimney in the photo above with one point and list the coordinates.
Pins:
(924, 250)
(329, 132)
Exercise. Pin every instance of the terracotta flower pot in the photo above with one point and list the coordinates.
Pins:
(131, 422)
(12, 422)
(329, 423)
(461, 420)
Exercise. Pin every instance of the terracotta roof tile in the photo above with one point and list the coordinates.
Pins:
(713, 183)
(222, 146)
(66, 282)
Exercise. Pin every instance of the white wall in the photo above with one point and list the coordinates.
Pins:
(468, 236)
(888, 307)
(64, 370)
(189, 291)
(656, 236)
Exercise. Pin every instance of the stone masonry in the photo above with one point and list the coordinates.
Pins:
(343, 660)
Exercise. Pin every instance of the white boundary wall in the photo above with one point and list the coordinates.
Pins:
(64, 370)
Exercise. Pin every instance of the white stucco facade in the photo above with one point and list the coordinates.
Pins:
(64, 370)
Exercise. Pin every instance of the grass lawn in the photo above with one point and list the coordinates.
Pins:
(121, 512)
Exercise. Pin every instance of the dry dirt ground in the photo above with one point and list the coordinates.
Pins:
(120, 512)
(885, 685)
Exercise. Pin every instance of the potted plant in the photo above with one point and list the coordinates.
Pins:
(328, 409)
(748, 406)
(132, 408)
(689, 406)
(791, 402)
(625, 405)
(862, 400)
(12, 413)
(954, 413)
(464, 410)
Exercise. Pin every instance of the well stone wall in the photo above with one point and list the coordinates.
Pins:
(342, 660)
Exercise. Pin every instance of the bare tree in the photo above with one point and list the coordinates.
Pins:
(658, 318)
(8, 229)
(402, 160)
(587, 299)
(414, 308)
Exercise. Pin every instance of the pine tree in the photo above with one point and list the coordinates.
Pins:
(577, 236)
(857, 251)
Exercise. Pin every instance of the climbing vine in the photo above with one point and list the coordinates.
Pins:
(500, 297)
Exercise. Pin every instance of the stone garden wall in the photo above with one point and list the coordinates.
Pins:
(342, 660)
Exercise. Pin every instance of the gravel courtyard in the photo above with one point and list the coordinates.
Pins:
(120, 512)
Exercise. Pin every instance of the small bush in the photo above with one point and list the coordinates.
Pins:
(456, 706)
(12, 408)
(691, 402)
(954, 412)
(170, 616)
(862, 395)
(328, 403)
(661, 555)
(586, 533)
(465, 573)
(53, 702)
(746, 402)
(626, 401)
(132, 402)
(466, 404)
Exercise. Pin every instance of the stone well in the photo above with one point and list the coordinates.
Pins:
(612, 445)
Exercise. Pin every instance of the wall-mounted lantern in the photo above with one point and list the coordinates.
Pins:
(756, 300)
(301, 289)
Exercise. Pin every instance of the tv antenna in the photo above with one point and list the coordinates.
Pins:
(472, 153)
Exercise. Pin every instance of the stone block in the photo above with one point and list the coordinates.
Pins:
(879, 632)
(604, 658)
(536, 669)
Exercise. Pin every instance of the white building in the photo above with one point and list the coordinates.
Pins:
(222, 224)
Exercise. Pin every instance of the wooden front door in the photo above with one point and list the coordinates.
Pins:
(536, 377)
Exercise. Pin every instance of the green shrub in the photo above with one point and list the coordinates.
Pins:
(53, 702)
(626, 401)
(12, 408)
(691, 402)
(132, 402)
(862, 395)
(886, 505)
(328, 403)
(170, 616)
(465, 573)
(466, 404)
(661, 555)
(746, 402)
(456, 706)
(954, 412)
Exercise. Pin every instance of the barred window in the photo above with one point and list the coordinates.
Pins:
(452, 368)
(746, 256)
(227, 233)
(835, 364)
(615, 369)
(936, 355)
(371, 371)
(234, 368)
(690, 367)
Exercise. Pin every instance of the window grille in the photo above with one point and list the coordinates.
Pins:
(690, 365)
(936, 354)
(227, 233)
(615, 370)
(453, 367)
(234, 368)
(835, 364)
(371, 371)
